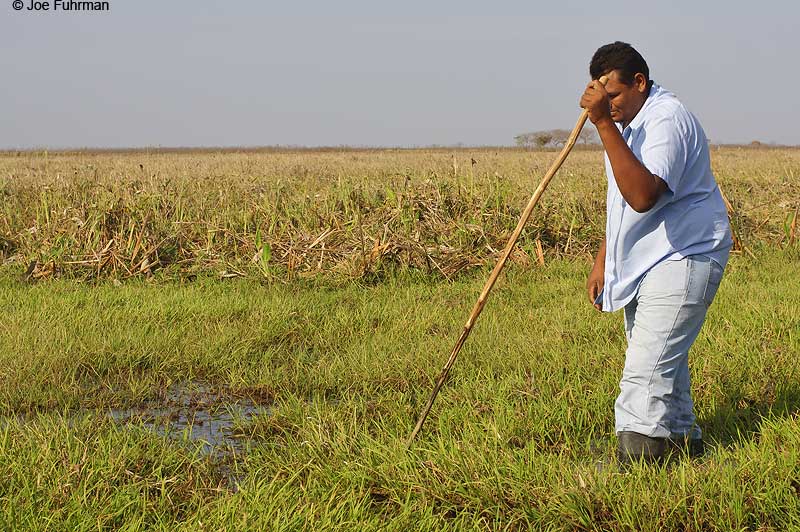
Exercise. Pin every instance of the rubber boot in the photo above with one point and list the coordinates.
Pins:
(693, 447)
(635, 447)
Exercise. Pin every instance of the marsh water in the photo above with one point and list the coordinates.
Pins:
(196, 413)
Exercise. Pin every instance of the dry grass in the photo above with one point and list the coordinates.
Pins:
(344, 214)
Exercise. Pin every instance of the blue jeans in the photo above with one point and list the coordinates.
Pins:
(661, 324)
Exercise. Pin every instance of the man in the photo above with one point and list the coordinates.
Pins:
(665, 248)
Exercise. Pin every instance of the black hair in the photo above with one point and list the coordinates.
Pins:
(619, 56)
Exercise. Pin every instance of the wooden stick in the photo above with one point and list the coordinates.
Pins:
(476, 310)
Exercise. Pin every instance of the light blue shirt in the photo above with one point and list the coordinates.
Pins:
(689, 218)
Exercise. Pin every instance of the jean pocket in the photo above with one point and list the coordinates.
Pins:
(714, 280)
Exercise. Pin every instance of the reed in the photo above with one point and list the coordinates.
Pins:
(345, 214)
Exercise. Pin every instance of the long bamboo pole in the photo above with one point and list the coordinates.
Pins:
(476, 310)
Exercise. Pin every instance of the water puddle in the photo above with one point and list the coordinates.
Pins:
(209, 417)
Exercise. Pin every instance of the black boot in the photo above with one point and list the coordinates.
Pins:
(693, 447)
(635, 447)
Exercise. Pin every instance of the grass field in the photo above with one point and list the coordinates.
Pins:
(341, 355)
(342, 214)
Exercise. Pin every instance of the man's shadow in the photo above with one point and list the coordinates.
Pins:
(739, 417)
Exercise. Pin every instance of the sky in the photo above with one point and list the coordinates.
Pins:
(413, 73)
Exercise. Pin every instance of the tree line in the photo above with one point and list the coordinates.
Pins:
(554, 138)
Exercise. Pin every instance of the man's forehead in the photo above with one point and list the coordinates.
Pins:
(613, 76)
(614, 81)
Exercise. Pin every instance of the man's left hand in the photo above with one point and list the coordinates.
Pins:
(595, 100)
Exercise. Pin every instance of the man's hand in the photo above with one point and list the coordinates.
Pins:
(595, 100)
(594, 285)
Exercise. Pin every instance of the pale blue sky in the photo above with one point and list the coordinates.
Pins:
(203, 73)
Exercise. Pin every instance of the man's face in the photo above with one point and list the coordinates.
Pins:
(626, 100)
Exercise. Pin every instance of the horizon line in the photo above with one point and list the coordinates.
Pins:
(337, 147)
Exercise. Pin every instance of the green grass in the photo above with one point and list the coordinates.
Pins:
(512, 441)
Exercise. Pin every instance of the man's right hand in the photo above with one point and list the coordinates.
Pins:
(594, 285)
(595, 100)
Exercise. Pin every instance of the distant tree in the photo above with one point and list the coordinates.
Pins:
(538, 139)
(542, 139)
(588, 136)
(523, 140)
(559, 137)
(553, 138)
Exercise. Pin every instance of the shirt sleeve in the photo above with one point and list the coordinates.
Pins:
(664, 150)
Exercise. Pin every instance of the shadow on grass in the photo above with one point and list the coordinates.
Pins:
(739, 417)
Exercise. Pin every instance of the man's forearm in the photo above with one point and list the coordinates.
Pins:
(638, 186)
(600, 258)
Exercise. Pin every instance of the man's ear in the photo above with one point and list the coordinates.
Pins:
(640, 82)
